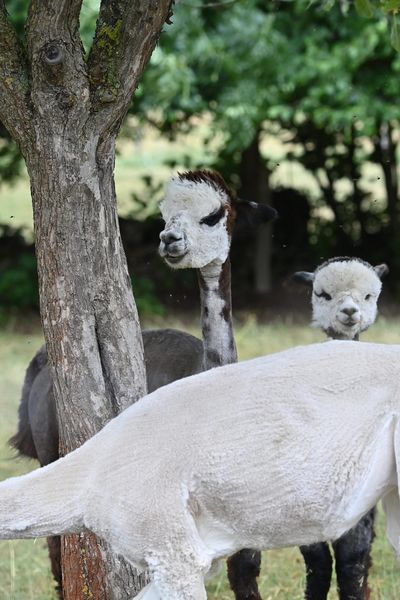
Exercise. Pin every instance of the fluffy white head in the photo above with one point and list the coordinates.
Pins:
(196, 210)
(345, 292)
(344, 298)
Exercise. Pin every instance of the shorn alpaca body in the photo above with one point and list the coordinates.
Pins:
(345, 292)
(289, 449)
(200, 212)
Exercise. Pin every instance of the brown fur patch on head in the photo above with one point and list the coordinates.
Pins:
(216, 181)
(213, 178)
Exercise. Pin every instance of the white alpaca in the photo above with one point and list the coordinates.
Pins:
(345, 292)
(283, 450)
(199, 211)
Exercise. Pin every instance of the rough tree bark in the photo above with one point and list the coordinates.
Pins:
(65, 112)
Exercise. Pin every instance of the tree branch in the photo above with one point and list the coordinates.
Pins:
(60, 86)
(126, 34)
(14, 83)
(60, 13)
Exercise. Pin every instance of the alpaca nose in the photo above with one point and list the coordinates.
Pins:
(350, 310)
(169, 237)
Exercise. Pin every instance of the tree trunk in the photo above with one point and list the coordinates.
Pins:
(343, 241)
(386, 150)
(65, 113)
(88, 311)
(255, 187)
(355, 178)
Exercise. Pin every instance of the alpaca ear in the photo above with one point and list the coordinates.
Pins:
(381, 270)
(253, 213)
(304, 277)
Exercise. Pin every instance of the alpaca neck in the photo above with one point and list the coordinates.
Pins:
(337, 336)
(216, 315)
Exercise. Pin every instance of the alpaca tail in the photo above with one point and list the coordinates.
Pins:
(42, 503)
(23, 439)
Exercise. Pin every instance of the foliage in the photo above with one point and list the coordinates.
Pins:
(209, 62)
(340, 123)
(324, 82)
(367, 8)
(10, 156)
(205, 63)
(18, 284)
(18, 276)
(146, 298)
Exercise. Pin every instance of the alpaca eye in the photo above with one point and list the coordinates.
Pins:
(324, 295)
(368, 296)
(213, 218)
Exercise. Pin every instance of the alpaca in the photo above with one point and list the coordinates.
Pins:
(345, 292)
(37, 435)
(183, 214)
(200, 212)
(288, 449)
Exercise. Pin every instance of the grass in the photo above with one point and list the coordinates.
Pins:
(24, 567)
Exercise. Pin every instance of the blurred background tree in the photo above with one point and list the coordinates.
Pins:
(296, 105)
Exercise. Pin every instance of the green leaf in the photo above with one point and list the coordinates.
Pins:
(364, 8)
(395, 34)
(390, 5)
(328, 4)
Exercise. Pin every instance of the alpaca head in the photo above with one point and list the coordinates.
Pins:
(199, 211)
(345, 292)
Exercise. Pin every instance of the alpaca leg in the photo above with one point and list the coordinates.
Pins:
(178, 570)
(318, 570)
(178, 582)
(391, 506)
(243, 570)
(353, 559)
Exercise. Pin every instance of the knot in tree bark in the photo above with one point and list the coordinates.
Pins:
(53, 54)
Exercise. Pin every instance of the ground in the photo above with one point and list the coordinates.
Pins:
(24, 568)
